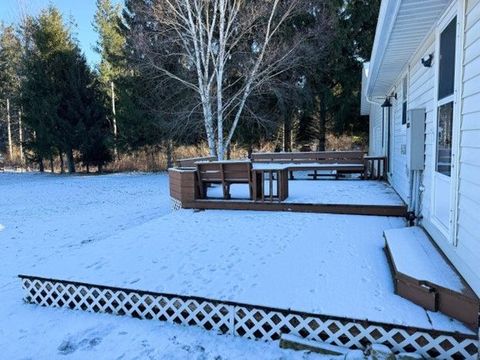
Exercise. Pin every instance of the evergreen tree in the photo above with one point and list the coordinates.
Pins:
(111, 42)
(334, 81)
(150, 107)
(62, 104)
(10, 65)
(110, 46)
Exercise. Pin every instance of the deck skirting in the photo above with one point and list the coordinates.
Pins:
(250, 321)
(344, 209)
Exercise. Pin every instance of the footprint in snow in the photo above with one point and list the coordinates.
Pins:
(70, 346)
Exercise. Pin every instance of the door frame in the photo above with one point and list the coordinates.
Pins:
(456, 9)
(390, 135)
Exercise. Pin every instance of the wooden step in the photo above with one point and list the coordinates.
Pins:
(423, 275)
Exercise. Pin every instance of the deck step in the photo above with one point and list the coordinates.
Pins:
(423, 275)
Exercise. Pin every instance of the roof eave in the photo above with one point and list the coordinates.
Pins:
(382, 35)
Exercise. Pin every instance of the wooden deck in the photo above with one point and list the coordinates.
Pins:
(184, 190)
(348, 209)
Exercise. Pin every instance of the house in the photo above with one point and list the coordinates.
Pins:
(421, 91)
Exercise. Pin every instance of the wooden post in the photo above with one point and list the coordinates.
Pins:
(9, 131)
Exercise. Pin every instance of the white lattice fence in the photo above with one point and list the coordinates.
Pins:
(249, 321)
(175, 204)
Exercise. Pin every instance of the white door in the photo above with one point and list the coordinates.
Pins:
(446, 114)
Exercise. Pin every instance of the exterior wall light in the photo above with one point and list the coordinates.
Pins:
(427, 60)
(387, 103)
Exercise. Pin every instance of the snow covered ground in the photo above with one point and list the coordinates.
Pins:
(352, 191)
(314, 263)
(42, 216)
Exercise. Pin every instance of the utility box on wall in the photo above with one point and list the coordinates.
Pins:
(416, 139)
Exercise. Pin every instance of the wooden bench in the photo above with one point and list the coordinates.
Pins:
(190, 162)
(224, 173)
(349, 162)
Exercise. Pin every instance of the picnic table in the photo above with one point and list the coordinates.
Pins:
(277, 173)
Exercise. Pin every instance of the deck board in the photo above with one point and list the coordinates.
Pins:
(316, 263)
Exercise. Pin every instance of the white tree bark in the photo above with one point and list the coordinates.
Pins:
(9, 131)
(209, 32)
(20, 136)
(114, 122)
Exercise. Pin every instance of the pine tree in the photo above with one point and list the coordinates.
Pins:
(10, 65)
(62, 102)
(110, 46)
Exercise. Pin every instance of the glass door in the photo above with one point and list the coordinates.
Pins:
(442, 209)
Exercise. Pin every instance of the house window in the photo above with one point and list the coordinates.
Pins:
(446, 76)
(404, 100)
(444, 140)
(446, 86)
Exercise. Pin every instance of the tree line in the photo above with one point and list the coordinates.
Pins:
(183, 72)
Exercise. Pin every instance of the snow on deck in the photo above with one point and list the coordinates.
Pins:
(414, 255)
(326, 264)
(352, 191)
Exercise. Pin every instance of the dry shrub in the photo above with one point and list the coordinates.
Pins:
(151, 159)
(345, 142)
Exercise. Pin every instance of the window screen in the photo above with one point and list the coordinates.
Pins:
(446, 76)
(404, 100)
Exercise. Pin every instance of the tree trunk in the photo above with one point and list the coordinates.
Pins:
(114, 120)
(169, 154)
(287, 134)
(229, 152)
(9, 131)
(52, 169)
(41, 168)
(70, 161)
(88, 168)
(322, 124)
(207, 113)
(20, 137)
(100, 168)
(152, 165)
(62, 167)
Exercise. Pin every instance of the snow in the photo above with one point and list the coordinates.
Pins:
(43, 216)
(292, 166)
(325, 347)
(414, 255)
(318, 263)
(352, 191)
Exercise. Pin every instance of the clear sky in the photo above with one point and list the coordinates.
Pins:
(82, 11)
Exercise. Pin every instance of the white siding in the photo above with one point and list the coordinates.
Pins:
(466, 254)
(468, 234)
(375, 141)
(400, 176)
(422, 95)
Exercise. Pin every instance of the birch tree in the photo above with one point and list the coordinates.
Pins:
(10, 54)
(228, 49)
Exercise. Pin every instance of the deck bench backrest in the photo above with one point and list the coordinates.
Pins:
(228, 171)
(237, 172)
(321, 157)
(190, 162)
(209, 172)
(225, 173)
